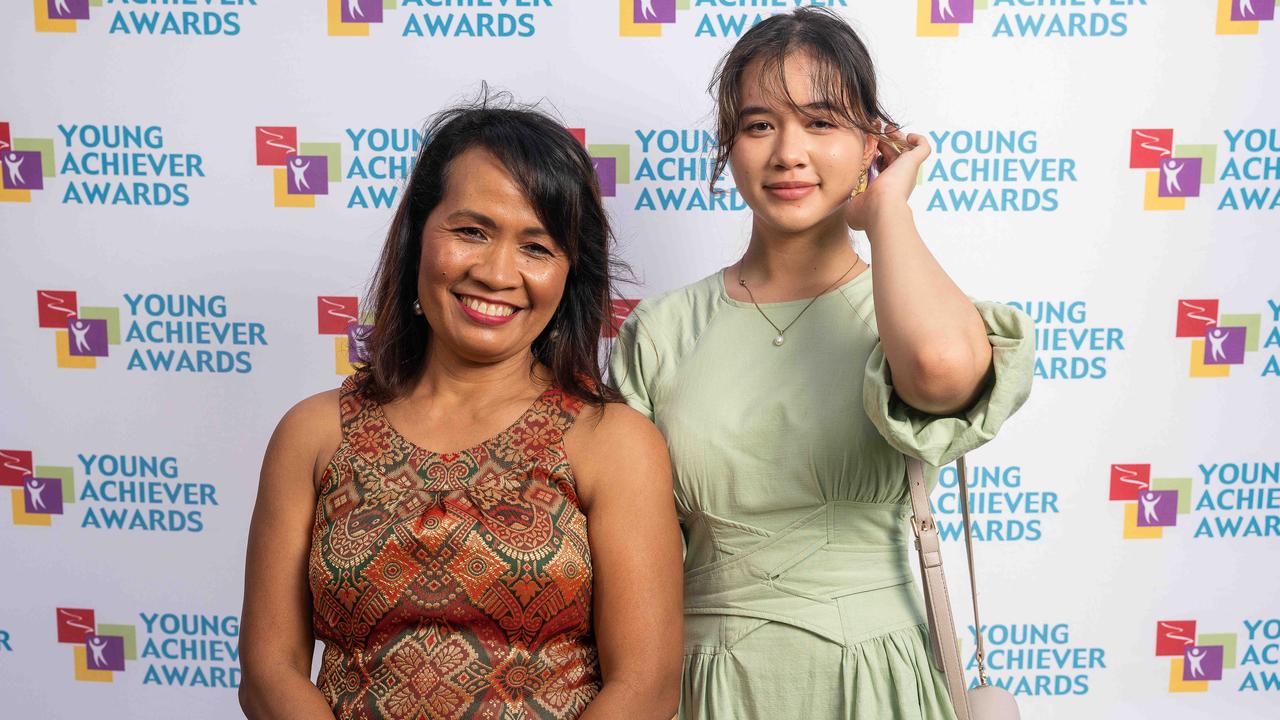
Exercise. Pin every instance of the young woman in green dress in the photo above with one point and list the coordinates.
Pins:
(789, 385)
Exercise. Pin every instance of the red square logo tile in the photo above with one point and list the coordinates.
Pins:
(1128, 480)
(619, 310)
(336, 312)
(1147, 147)
(6, 142)
(55, 307)
(580, 134)
(15, 466)
(1195, 317)
(274, 144)
(1174, 636)
(75, 625)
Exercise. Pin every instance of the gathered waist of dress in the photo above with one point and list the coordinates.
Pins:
(840, 570)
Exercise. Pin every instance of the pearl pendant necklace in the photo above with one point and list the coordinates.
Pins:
(781, 337)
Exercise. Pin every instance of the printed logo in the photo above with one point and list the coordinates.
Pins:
(612, 163)
(1068, 345)
(1021, 19)
(438, 18)
(1040, 659)
(156, 324)
(1229, 500)
(1002, 509)
(619, 310)
(1194, 661)
(339, 315)
(301, 170)
(24, 164)
(63, 16)
(120, 492)
(39, 492)
(378, 161)
(706, 18)
(98, 650)
(994, 171)
(1247, 180)
(176, 649)
(1241, 17)
(1219, 341)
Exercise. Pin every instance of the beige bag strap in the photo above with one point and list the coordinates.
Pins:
(942, 634)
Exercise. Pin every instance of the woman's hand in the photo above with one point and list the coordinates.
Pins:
(898, 161)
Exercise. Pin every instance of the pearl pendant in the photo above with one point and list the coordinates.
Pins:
(777, 342)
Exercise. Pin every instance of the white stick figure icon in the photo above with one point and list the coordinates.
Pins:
(1246, 8)
(1216, 338)
(1196, 656)
(97, 646)
(944, 9)
(80, 331)
(1172, 169)
(60, 7)
(13, 162)
(1149, 503)
(299, 170)
(646, 9)
(353, 9)
(37, 494)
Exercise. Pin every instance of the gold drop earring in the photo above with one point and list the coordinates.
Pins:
(862, 185)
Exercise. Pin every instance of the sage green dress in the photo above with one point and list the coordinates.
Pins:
(799, 599)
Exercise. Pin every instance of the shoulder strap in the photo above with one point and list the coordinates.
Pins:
(942, 634)
(351, 404)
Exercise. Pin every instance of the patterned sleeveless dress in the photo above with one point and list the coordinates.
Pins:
(453, 585)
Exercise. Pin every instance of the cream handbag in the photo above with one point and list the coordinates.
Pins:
(985, 701)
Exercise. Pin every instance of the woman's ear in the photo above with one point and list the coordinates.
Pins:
(870, 142)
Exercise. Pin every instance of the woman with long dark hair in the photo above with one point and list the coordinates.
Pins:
(474, 524)
(789, 385)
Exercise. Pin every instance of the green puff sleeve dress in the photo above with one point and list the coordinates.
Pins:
(799, 597)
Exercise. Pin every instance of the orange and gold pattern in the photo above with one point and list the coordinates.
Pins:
(454, 585)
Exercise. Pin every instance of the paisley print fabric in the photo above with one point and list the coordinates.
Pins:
(453, 585)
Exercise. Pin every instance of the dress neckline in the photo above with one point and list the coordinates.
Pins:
(721, 277)
(482, 445)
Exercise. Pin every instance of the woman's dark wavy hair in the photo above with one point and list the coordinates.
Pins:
(559, 180)
(844, 77)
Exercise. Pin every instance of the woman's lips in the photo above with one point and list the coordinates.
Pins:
(790, 190)
(484, 319)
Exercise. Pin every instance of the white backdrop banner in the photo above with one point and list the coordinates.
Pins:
(192, 196)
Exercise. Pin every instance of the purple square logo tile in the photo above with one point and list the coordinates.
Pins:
(1180, 177)
(1202, 662)
(308, 174)
(87, 337)
(655, 11)
(951, 11)
(1253, 10)
(68, 9)
(357, 343)
(104, 652)
(607, 174)
(22, 169)
(42, 495)
(361, 11)
(1224, 345)
(1157, 508)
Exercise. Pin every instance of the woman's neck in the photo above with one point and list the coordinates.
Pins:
(789, 266)
(448, 379)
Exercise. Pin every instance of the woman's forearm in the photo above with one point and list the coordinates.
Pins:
(283, 695)
(641, 701)
(932, 336)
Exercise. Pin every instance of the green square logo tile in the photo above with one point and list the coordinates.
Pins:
(1252, 325)
(128, 632)
(65, 474)
(1228, 643)
(1207, 153)
(333, 151)
(1182, 485)
(684, 4)
(110, 314)
(44, 146)
(391, 4)
(621, 153)
(982, 4)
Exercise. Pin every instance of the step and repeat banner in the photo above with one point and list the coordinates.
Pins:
(193, 194)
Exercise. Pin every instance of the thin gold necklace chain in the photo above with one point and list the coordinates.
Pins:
(782, 332)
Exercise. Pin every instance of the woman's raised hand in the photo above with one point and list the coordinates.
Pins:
(898, 160)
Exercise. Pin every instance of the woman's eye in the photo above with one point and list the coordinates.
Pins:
(823, 124)
(474, 233)
(537, 249)
(757, 127)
